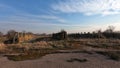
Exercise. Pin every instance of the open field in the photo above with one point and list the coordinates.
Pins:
(63, 60)
(84, 53)
(59, 33)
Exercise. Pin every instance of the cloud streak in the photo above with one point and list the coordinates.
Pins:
(88, 7)
(18, 19)
(14, 14)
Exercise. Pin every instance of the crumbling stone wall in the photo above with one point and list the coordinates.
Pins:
(60, 36)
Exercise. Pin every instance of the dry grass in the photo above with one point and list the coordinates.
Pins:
(26, 51)
(98, 43)
(29, 51)
(2, 47)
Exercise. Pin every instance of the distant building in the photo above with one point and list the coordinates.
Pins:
(60, 36)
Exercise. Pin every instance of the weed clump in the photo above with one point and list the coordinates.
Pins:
(76, 59)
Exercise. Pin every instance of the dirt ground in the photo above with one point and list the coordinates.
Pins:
(60, 61)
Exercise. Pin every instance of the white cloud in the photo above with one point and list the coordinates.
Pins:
(36, 20)
(52, 17)
(89, 7)
(30, 18)
(17, 15)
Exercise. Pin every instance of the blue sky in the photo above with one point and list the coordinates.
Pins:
(48, 16)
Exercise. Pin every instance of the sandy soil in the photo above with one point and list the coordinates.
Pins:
(60, 61)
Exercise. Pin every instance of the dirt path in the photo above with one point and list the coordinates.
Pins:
(60, 61)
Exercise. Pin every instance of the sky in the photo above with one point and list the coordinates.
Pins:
(49, 16)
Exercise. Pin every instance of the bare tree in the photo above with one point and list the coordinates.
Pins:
(1, 34)
(110, 29)
(11, 34)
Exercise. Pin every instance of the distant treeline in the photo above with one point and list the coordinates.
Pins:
(108, 33)
(115, 35)
(12, 35)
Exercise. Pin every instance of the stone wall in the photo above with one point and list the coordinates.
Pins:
(24, 37)
(60, 36)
